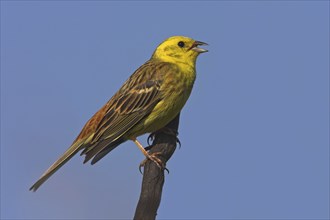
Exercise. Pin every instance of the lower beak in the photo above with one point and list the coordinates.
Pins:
(195, 47)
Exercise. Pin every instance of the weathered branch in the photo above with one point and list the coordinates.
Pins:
(153, 177)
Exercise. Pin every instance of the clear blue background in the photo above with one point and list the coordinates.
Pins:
(255, 133)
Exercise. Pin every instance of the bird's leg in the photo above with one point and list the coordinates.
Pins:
(166, 130)
(153, 157)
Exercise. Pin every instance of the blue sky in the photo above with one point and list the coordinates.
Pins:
(254, 134)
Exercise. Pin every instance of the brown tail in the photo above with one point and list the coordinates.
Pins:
(68, 154)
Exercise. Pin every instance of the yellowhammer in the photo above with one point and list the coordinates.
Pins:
(151, 97)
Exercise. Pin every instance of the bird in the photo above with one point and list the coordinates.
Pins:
(147, 101)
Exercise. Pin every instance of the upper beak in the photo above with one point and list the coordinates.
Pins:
(195, 47)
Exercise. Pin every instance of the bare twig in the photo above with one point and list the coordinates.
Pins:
(153, 177)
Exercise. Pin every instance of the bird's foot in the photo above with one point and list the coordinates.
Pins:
(166, 130)
(153, 157)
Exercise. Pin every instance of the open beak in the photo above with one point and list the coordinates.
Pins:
(195, 47)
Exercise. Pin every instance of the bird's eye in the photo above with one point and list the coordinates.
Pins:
(181, 44)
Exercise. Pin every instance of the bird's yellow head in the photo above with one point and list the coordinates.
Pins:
(179, 50)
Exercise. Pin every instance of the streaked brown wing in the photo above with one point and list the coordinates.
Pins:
(151, 70)
(126, 111)
(136, 102)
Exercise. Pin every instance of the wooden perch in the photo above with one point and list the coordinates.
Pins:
(153, 177)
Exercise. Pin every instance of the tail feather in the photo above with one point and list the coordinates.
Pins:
(68, 154)
(107, 150)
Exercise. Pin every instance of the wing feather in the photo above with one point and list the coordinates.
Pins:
(129, 106)
(127, 109)
(125, 116)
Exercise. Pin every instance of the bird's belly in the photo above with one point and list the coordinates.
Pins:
(164, 112)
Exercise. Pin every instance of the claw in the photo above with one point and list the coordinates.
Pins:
(142, 165)
(178, 141)
(153, 157)
(167, 131)
(148, 147)
(151, 137)
(144, 162)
